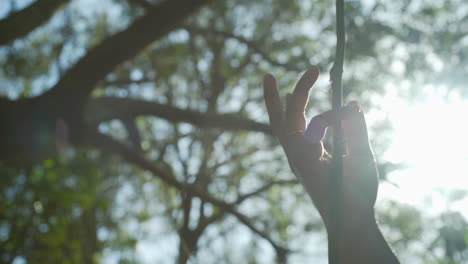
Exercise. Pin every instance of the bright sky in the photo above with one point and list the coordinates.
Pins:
(431, 136)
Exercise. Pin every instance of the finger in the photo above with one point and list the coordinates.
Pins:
(274, 106)
(355, 131)
(295, 122)
(300, 95)
(298, 100)
(316, 129)
(315, 132)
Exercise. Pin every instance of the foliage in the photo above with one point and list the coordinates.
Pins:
(90, 204)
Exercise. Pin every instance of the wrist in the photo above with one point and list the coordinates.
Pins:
(360, 241)
(362, 227)
(351, 222)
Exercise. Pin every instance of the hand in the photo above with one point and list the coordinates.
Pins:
(310, 161)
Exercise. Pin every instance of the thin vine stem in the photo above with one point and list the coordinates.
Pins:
(335, 182)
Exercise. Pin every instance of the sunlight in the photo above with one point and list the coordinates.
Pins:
(431, 137)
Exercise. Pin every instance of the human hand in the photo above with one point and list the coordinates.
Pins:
(309, 159)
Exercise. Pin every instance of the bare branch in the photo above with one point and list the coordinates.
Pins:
(194, 59)
(264, 188)
(78, 82)
(67, 98)
(249, 43)
(108, 144)
(233, 158)
(143, 3)
(206, 221)
(108, 108)
(20, 23)
(133, 132)
(127, 82)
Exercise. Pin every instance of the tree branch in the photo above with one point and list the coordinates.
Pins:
(125, 82)
(109, 145)
(264, 188)
(249, 43)
(78, 82)
(22, 22)
(143, 3)
(108, 108)
(206, 221)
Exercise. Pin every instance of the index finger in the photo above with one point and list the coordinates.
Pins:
(274, 106)
(300, 96)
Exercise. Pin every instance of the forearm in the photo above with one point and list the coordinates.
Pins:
(362, 242)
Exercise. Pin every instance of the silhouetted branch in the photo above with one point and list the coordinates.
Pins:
(22, 22)
(108, 108)
(233, 158)
(143, 3)
(194, 59)
(264, 188)
(127, 82)
(249, 43)
(133, 132)
(206, 221)
(109, 145)
(78, 82)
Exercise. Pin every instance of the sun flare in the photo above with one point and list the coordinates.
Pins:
(432, 138)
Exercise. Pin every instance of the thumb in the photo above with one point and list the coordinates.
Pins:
(355, 131)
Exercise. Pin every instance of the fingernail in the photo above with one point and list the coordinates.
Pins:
(268, 81)
(354, 105)
(313, 72)
(314, 69)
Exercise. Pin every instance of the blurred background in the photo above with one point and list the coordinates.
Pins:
(134, 131)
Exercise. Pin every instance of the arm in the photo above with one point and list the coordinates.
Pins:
(360, 240)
